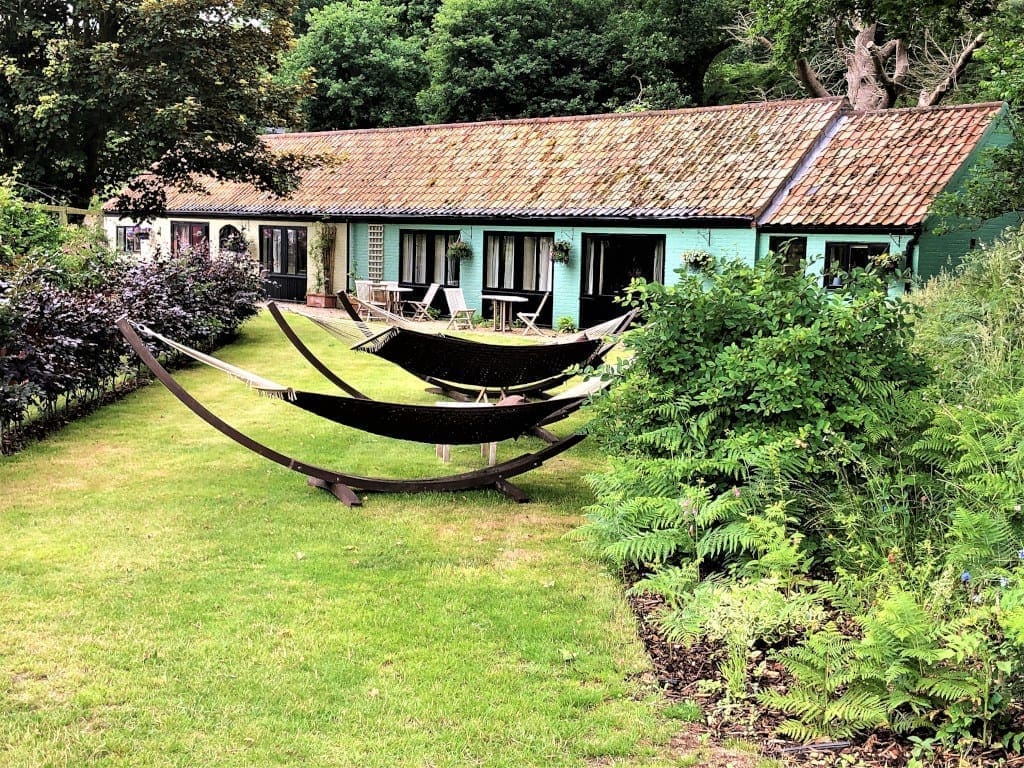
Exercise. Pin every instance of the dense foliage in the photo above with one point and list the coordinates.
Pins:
(367, 73)
(93, 93)
(792, 480)
(61, 291)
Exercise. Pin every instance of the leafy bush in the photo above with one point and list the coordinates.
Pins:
(62, 290)
(734, 395)
(971, 325)
(25, 231)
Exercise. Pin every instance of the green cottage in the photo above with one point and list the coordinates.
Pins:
(622, 196)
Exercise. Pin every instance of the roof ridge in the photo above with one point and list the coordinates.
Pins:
(565, 118)
(936, 108)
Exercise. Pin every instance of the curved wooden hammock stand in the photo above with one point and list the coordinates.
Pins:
(342, 485)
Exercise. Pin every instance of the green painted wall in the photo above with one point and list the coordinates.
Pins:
(816, 245)
(723, 244)
(936, 252)
(357, 255)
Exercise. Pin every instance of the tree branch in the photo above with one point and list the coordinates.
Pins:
(893, 86)
(810, 80)
(948, 83)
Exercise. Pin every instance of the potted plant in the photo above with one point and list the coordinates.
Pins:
(560, 251)
(697, 260)
(459, 250)
(323, 258)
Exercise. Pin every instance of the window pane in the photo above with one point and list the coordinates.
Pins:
(292, 249)
(440, 248)
(588, 267)
(420, 271)
(544, 263)
(529, 263)
(492, 266)
(407, 256)
(509, 262)
(300, 253)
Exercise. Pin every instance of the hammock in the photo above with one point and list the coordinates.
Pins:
(449, 358)
(342, 485)
(439, 358)
(453, 390)
(448, 423)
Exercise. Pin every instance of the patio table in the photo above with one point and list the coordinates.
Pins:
(501, 308)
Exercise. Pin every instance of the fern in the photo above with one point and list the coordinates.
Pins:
(819, 696)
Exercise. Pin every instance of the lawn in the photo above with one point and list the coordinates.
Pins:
(171, 599)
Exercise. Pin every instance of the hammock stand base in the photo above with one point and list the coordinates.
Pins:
(341, 485)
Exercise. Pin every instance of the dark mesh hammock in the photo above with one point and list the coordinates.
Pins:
(432, 356)
(458, 424)
(448, 358)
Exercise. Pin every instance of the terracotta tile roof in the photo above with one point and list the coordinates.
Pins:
(884, 168)
(714, 162)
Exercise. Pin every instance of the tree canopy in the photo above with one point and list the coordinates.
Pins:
(94, 92)
(366, 73)
(492, 59)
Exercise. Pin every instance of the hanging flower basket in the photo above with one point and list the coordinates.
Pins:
(697, 260)
(887, 262)
(460, 250)
(560, 251)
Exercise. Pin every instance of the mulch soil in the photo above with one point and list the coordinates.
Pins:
(683, 673)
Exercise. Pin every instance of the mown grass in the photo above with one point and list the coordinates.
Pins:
(171, 599)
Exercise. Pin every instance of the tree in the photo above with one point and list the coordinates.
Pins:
(670, 44)
(415, 17)
(494, 59)
(882, 49)
(1002, 59)
(94, 92)
(366, 73)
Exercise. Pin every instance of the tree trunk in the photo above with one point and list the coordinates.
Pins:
(868, 84)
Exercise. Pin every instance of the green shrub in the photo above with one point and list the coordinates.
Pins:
(970, 326)
(735, 394)
(25, 231)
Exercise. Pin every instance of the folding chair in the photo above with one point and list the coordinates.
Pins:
(530, 318)
(421, 309)
(462, 316)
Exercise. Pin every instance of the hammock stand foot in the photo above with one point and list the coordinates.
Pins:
(514, 492)
(544, 435)
(340, 491)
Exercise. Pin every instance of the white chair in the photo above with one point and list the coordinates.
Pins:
(421, 309)
(530, 318)
(462, 316)
(364, 292)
